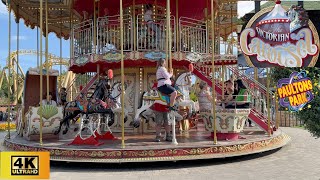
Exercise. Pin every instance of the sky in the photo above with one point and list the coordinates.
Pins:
(245, 7)
(28, 41)
(28, 38)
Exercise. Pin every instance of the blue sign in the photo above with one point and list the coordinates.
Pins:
(155, 55)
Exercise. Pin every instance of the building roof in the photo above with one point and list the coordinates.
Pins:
(307, 5)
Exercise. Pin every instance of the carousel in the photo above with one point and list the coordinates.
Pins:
(111, 112)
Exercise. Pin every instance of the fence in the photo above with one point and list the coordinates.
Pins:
(289, 119)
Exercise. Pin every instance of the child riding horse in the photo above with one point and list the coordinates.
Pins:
(164, 82)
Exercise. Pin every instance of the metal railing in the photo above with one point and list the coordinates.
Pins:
(83, 38)
(108, 33)
(152, 35)
(193, 35)
(258, 92)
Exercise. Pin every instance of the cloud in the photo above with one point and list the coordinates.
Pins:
(3, 9)
(14, 38)
(245, 7)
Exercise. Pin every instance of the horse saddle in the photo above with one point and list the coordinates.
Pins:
(166, 97)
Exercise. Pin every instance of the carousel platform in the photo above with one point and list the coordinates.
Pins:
(142, 148)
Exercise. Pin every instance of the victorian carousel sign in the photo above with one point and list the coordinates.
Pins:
(279, 37)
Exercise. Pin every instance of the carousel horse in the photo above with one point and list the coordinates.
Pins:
(182, 85)
(298, 17)
(161, 107)
(102, 101)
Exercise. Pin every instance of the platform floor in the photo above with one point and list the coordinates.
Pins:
(141, 148)
(147, 141)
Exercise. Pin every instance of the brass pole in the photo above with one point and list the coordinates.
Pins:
(231, 41)
(60, 82)
(134, 25)
(177, 27)
(218, 29)
(167, 38)
(71, 46)
(213, 73)
(37, 41)
(47, 59)
(71, 32)
(17, 70)
(223, 71)
(122, 75)
(268, 101)
(207, 26)
(41, 69)
(169, 34)
(9, 70)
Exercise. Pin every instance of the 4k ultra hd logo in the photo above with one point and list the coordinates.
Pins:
(24, 165)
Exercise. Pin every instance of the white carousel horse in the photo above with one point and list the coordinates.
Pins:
(116, 94)
(173, 116)
(182, 84)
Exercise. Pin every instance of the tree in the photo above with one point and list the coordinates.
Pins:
(310, 114)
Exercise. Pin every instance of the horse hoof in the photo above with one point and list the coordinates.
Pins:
(135, 124)
(75, 129)
(56, 132)
(65, 131)
(125, 119)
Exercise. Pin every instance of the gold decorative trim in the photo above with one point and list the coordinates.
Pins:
(167, 154)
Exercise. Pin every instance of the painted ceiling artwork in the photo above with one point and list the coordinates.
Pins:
(280, 36)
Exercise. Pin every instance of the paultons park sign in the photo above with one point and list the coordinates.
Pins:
(280, 36)
(295, 92)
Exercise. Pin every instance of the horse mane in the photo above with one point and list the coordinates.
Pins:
(102, 84)
(303, 16)
(180, 76)
(141, 99)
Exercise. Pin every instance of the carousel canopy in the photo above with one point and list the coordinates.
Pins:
(59, 11)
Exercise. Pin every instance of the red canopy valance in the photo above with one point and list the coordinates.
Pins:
(191, 8)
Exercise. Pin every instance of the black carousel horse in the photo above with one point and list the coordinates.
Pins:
(95, 104)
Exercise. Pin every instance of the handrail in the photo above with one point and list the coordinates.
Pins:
(251, 79)
(88, 86)
(193, 34)
(108, 31)
(153, 37)
(257, 113)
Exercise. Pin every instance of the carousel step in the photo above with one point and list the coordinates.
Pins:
(258, 121)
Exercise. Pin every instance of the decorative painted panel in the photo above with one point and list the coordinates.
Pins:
(131, 97)
(51, 120)
(228, 120)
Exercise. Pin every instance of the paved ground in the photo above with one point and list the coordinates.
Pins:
(299, 160)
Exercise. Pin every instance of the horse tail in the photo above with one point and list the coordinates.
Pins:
(141, 99)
